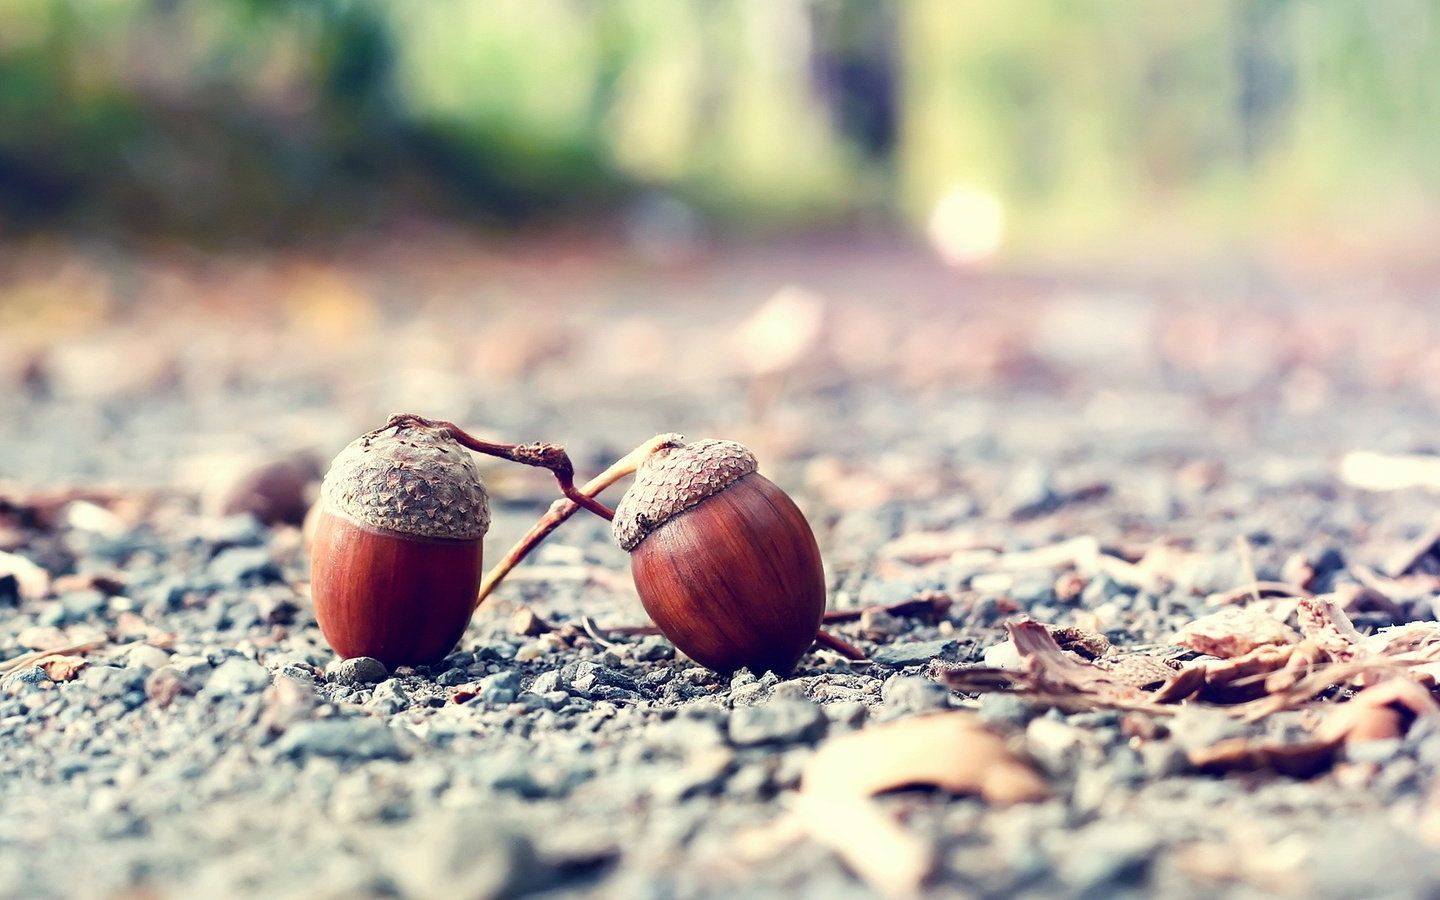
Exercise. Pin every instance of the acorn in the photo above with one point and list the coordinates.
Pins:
(723, 560)
(397, 552)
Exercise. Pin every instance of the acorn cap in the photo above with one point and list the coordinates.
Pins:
(672, 480)
(410, 479)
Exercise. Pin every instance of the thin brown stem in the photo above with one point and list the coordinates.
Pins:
(831, 642)
(542, 455)
(561, 510)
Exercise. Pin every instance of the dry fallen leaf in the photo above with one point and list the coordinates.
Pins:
(61, 668)
(29, 659)
(1384, 711)
(953, 751)
(1065, 680)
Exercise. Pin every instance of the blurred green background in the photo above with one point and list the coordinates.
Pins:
(1064, 126)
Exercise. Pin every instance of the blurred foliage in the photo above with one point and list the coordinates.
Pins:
(1083, 118)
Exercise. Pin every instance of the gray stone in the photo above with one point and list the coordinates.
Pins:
(654, 648)
(911, 693)
(1163, 759)
(546, 682)
(389, 696)
(110, 681)
(1031, 492)
(1000, 708)
(359, 670)
(81, 605)
(244, 565)
(145, 656)
(500, 688)
(913, 653)
(340, 739)
(23, 681)
(1379, 751)
(236, 677)
(1195, 728)
(685, 734)
(590, 679)
(702, 773)
(778, 722)
(847, 713)
(447, 858)
(1107, 857)
(453, 678)
(1055, 745)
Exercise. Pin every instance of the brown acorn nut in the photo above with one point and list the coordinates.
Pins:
(723, 560)
(396, 558)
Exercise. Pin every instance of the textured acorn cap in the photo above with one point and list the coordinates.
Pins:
(409, 479)
(672, 480)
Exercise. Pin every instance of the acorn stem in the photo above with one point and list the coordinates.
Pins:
(542, 455)
(561, 510)
(829, 641)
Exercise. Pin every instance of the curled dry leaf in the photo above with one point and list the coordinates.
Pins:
(1234, 631)
(1381, 712)
(1049, 673)
(1299, 760)
(952, 751)
(1384, 710)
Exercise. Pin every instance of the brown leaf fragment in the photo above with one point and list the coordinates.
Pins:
(952, 751)
(34, 657)
(1181, 686)
(1234, 631)
(62, 668)
(1138, 670)
(1300, 760)
(1305, 658)
(1089, 644)
(526, 622)
(1383, 710)
(1243, 678)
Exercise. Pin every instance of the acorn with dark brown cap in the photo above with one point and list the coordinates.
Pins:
(397, 551)
(395, 562)
(723, 560)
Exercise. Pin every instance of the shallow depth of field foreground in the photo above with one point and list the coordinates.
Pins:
(1107, 380)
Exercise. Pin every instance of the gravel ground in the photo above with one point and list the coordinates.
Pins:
(212, 746)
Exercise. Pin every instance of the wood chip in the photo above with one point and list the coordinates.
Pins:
(1234, 631)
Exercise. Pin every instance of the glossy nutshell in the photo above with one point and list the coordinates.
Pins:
(735, 580)
(400, 598)
(396, 555)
